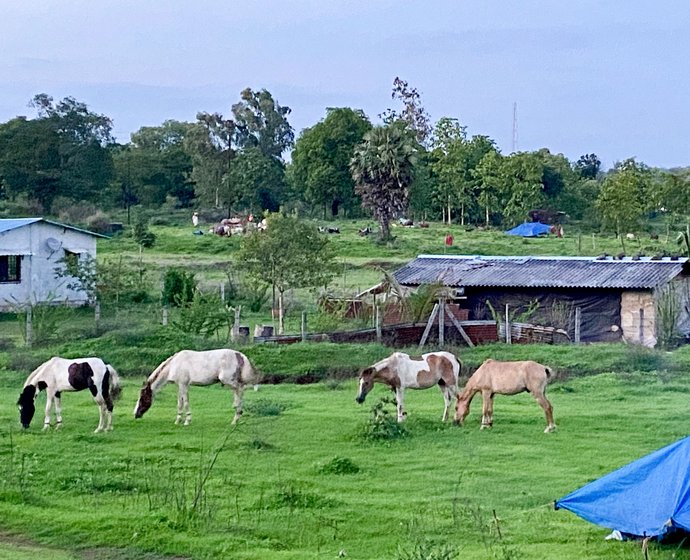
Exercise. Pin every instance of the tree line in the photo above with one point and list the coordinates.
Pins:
(344, 165)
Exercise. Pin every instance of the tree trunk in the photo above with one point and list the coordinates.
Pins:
(385, 229)
(487, 215)
(462, 214)
(334, 208)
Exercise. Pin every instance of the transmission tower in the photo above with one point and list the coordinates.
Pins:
(515, 128)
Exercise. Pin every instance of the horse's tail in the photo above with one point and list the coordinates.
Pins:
(114, 381)
(549, 373)
(249, 375)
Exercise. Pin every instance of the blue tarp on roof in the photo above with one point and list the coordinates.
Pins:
(529, 229)
(643, 498)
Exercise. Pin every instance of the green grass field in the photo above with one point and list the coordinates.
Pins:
(296, 479)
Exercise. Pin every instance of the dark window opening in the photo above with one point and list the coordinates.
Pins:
(10, 268)
(71, 261)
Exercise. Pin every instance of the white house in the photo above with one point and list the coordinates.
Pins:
(30, 251)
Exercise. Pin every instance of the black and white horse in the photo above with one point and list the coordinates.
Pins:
(60, 374)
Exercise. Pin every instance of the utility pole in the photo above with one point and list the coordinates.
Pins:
(515, 128)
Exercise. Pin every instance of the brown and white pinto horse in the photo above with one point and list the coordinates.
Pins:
(60, 374)
(505, 378)
(189, 367)
(400, 371)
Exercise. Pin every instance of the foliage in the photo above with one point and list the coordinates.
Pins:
(413, 114)
(588, 166)
(143, 235)
(289, 254)
(427, 550)
(204, 314)
(257, 181)
(383, 424)
(266, 407)
(668, 310)
(624, 196)
(319, 170)
(262, 123)
(339, 465)
(382, 168)
(46, 317)
(178, 287)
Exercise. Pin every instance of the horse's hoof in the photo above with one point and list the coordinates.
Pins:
(549, 429)
(46, 427)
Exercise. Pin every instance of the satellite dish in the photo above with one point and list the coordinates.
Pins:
(53, 244)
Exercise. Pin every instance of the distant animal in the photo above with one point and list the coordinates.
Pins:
(505, 378)
(406, 222)
(364, 231)
(60, 374)
(189, 367)
(423, 225)
(329, 229)
(630, 236)
(400, 371)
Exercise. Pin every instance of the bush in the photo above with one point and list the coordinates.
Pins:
(98, 223)
(382, 425)
(142, 235)
(339, 465)
(178, 287)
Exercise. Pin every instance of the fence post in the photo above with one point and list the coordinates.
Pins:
(509, 340)
(441, 323)
(641, 325)
(222, 292)
(97, 314)
(377, 319)
(235, 333)
(29, 327)
(165, 316)
(304, 326)
(578, 320)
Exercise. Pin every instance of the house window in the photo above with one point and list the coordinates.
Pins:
(10, 268)
(71, 260)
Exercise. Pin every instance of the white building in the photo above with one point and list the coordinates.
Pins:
(30, 251)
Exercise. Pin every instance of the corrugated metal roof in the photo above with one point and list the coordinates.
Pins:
(14, 223)
(540, 272)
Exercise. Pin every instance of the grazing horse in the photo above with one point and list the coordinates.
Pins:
(188, 367)
(505, 378)
(60, 374)
(400, 371)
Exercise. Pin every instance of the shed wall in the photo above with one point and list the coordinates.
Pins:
(38, 283)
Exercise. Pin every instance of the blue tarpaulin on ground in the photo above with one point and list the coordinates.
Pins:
(644, 498)
(529, 229)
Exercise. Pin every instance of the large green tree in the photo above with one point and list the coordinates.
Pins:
(383, 170)
(320, 171)
(625, 196)
(63, 152)
(289, 254)
(256, 181)
(154, 165)
(262, 123)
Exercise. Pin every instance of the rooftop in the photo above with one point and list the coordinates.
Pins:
(541, 272)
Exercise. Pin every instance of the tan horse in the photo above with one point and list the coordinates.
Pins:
(400, 371)
(505, 378)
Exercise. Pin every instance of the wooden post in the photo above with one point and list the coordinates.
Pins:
(235, 333)
(304, 326)
(29, 327)
(509, 340)
(222, 292)
(458, 326)
(97, 314)
(429, 324)
(578, 321)
(377, 319)
(641, 326)
(165, 317)
(441, 323)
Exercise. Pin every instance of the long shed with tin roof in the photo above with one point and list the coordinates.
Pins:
(627, 299)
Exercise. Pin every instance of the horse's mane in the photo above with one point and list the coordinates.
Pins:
(35, 374)
(159, 370)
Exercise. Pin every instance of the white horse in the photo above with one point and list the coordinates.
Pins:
(399, 371)
(188, 367)
(60, 374)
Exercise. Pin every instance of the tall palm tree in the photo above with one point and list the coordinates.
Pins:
(382, 168)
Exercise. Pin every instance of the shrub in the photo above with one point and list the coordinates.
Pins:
(266, 407)
(382, 425)
(98, 222)
(339, 465)
(178, 287)
(142, 235)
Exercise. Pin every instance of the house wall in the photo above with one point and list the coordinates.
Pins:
(638, 318)
(38, 283)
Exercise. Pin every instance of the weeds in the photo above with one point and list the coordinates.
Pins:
(427, 550)
(382, 425)
(339, 465)
(266, 407)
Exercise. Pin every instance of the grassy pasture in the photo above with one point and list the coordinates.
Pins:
(294, 480)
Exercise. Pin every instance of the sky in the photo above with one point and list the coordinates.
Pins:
(574, 76)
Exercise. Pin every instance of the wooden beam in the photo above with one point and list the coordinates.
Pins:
(458, 326)
(429, 324)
